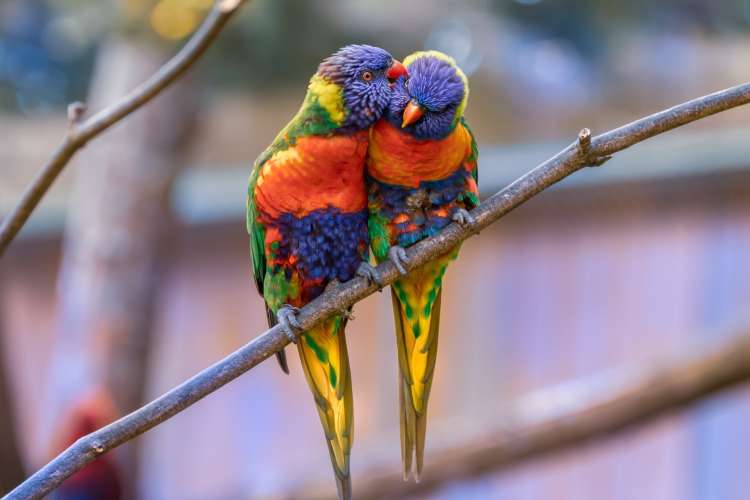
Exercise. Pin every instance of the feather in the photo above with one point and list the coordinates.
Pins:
(280, 355)
(416, 310)
(325, 362)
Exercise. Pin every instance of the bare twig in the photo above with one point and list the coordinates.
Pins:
(557, 418)
(333, 301)
(79, 134)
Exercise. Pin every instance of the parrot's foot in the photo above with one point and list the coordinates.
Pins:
(368, 272)
(287, 317)
(397, 255)
(463, 218)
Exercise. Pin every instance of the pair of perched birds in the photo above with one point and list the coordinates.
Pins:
(379, 155)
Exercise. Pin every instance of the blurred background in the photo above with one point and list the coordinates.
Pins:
(134, 272)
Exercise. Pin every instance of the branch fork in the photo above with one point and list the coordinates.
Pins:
(584, 150)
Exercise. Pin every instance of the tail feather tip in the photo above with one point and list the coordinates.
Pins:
(344, 487)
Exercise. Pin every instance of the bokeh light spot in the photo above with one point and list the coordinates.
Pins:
(454, 37)
(173, 19)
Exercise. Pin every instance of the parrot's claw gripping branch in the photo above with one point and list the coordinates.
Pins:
(287, 317)
(463, 218)
(397, 255)
(372, 275)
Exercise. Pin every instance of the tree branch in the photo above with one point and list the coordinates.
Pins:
(570, 414)
(79, 133)
(583, 152)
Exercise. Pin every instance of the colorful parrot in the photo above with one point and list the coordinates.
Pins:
(422, 175)
(307, 219)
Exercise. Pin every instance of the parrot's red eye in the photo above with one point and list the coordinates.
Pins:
(367, 76)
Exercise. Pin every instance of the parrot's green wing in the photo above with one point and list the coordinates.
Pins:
(256, 231)
(473, 161)
(378, 227)
(474, 157)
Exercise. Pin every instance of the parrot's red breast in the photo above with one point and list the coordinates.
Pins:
(316, 173)
(400, 159)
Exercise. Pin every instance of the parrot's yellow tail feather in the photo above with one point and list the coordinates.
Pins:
(325, 361)
(417, 342)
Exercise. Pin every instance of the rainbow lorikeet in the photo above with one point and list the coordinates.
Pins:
(422, 175)
(307, 219)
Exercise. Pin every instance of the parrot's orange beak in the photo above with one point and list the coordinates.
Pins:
(412, 113)
(396, 70)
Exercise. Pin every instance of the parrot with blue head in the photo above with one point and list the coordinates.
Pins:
(422, 175)
(307, 220)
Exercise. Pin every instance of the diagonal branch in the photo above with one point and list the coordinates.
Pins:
(554, 419)
(79, 133)
(585, 151)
